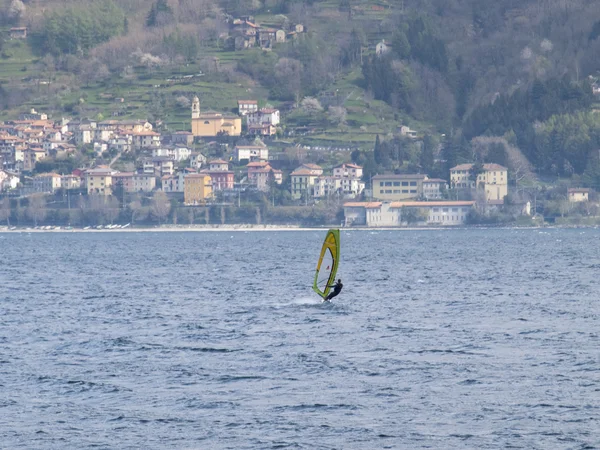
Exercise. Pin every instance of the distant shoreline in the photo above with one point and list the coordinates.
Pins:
(245, 228)
(164, 228)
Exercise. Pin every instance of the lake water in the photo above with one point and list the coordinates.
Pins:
(447, 339)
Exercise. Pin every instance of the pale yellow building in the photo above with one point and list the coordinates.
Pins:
(99, 181)
(197, 188)
(393, 187)
(304, 178)
(493, 180)
(578, 195)
(213, 124)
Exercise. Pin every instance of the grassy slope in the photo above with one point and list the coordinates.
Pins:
(365, 119)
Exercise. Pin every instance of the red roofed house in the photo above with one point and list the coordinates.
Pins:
(303, 179)
(221, 176)
(262, 130)
(262, 175)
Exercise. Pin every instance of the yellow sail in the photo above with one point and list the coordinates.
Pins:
(328, 263)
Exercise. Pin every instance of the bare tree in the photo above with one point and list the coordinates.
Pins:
(258, 217)
(135, 206)
(36, 210)
(112, 209)
(206, 216)
(288, 73)
(160, 206)
(222, 215)
(5, 210)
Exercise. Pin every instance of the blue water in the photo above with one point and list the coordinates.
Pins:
(452, 339)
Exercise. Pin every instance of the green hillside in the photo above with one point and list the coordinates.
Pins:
(446, 63)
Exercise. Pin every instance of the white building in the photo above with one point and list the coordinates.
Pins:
(265, 116)
(251, 153)
(348, 170)
(70, 182)
(178, 153)
(197, 160)
(173, 183)
(145, 139)
(433, 188)
(247, 106)
(122, 143)
(391, 214)
(8, 181)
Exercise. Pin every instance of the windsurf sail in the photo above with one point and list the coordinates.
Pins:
(328, 263)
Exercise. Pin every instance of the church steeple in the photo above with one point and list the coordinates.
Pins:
(196, 108)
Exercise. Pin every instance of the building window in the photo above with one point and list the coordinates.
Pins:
(413, 183)
(413, 191)
(405, 191)
(405, 183)
(381, 183)
(388, 183)
(396, 183)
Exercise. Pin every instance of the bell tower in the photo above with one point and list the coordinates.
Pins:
(196, 108)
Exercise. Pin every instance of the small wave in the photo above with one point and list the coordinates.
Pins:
(229, 378)
(205, 349)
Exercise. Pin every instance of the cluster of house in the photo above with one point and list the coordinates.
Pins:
(259, 122)
(247, 34)
(33, 138)
(394, 197)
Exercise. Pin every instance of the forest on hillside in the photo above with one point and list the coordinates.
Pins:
(516, 73)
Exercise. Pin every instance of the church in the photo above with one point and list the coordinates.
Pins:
(211, 124)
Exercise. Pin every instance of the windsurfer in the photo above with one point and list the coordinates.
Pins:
(337, 288)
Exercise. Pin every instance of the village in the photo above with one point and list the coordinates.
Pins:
(168, 169)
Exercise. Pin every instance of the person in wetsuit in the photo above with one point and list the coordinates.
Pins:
(337, 288)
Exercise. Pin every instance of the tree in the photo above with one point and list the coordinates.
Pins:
(160, 14)
(36, 210)
(413, 215)
(112, 209)
(160, 205)
(5, 210)
(135, 206)
(427, 157)
(400, 44)
(288, 79)
(474, 172)
(311, 105)
(337, 115)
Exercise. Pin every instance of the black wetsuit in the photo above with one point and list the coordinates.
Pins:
(337, 288)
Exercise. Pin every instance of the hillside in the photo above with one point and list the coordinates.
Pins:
(442, 62)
